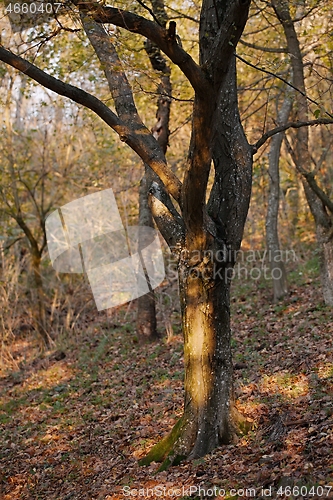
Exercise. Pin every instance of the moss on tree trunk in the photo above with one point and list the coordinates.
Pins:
(210, 417)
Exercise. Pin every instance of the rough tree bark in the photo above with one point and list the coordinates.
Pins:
(320, 205)
(278, 271)
(212, 237)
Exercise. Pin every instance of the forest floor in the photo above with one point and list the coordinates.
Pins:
(75, 421)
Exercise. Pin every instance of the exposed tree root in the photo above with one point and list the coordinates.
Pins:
(163, 451)
(168, 449)
(241, 424)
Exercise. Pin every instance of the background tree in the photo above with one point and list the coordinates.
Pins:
(311, 62)
(19, 191)
(34, 173)
(146, 318)
(278, 270)
(320, 204)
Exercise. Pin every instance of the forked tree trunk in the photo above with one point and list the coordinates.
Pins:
(211, 236)
(278, 270)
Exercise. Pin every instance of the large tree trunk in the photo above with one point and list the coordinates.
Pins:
(278, 271)
(205, 301)
(208, 419)
(212, 236)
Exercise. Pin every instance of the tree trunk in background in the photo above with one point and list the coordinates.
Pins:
(320, 205)
(40, 315)
(278, 271)
(16, 213)
(146, 314)
(325, 241)
(324, 233)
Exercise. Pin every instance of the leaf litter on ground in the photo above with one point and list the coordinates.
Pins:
(74, 423)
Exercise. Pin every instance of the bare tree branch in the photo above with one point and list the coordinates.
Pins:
(151, 12)
(138, 24)
(181, 15)
(135, 139)
(7, 247)
(282, 128)
(284, 81)
(121, 90)
(310, 177)
(119, 86)
(274, 50)
(160, 130)
(169, 222)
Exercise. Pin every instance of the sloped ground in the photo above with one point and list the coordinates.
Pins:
(75, 422)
